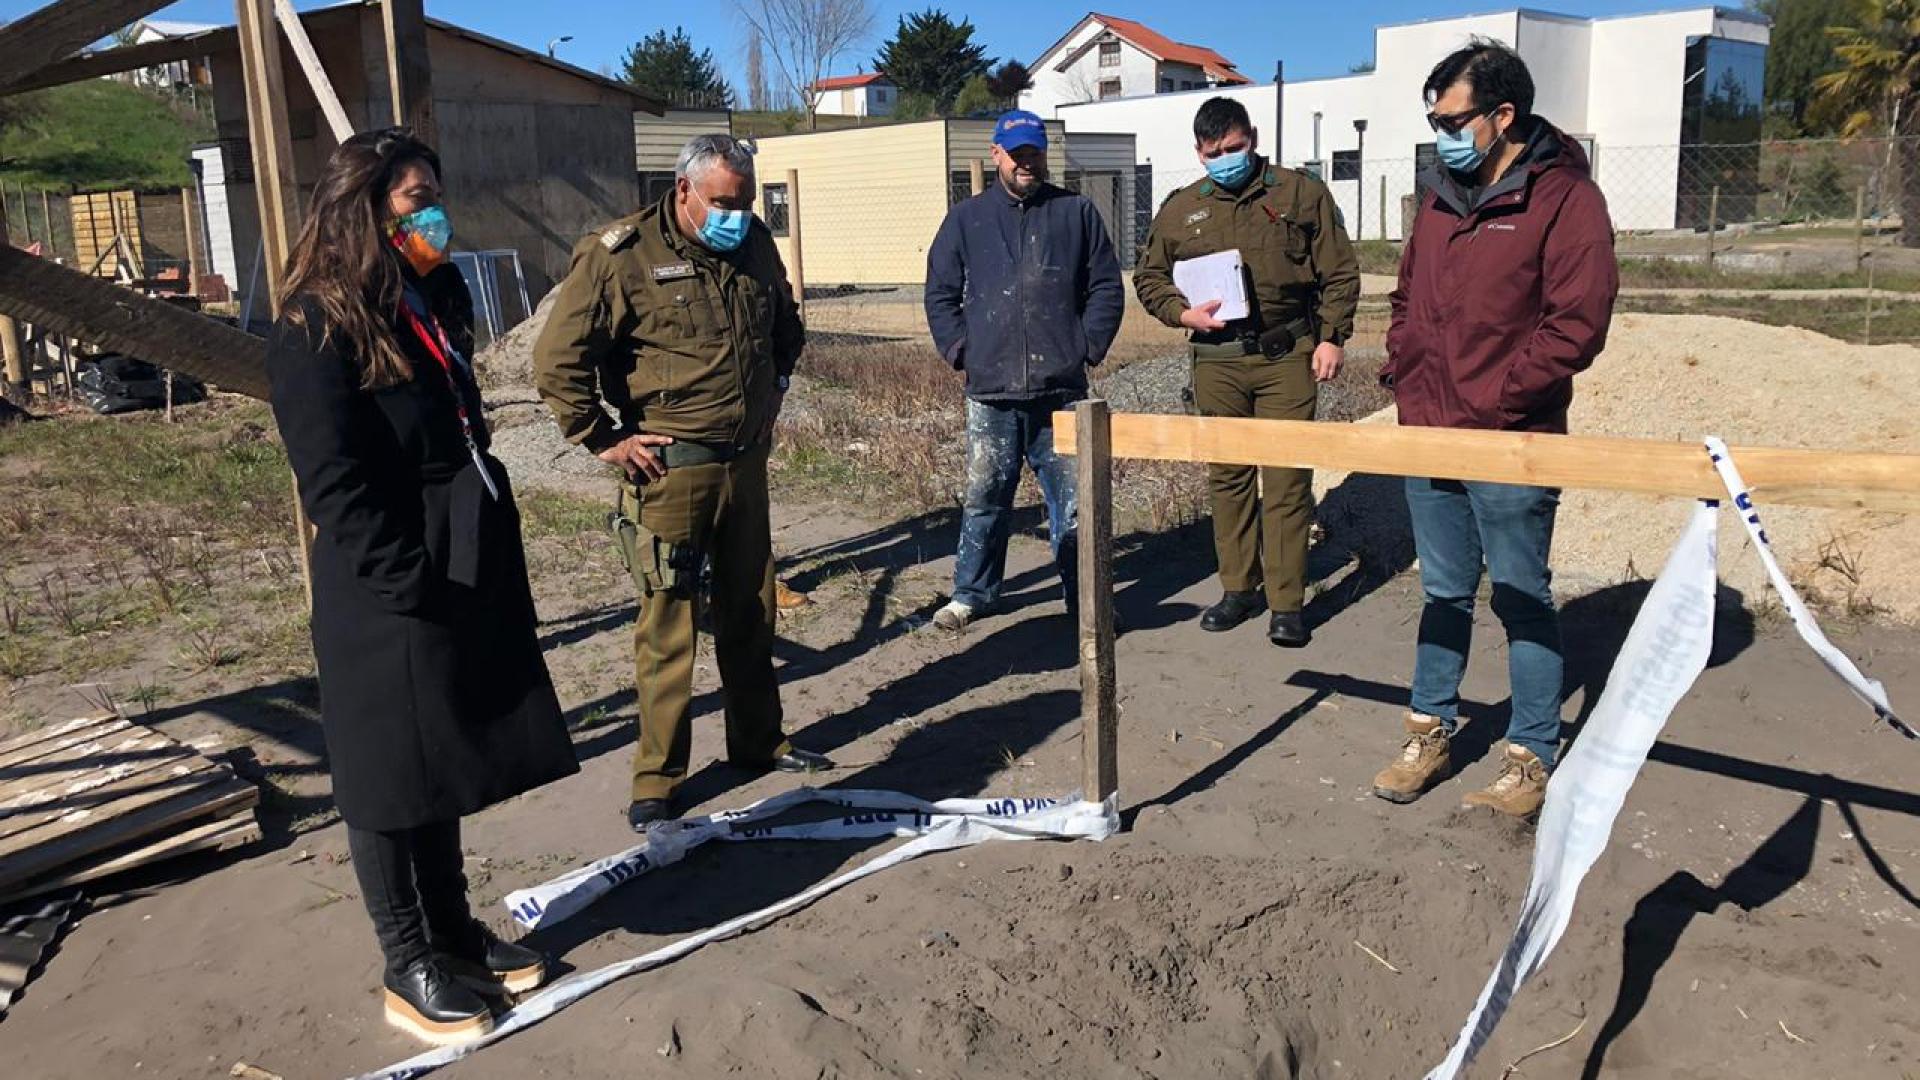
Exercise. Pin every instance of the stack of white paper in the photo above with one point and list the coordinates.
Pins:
(1214, 277)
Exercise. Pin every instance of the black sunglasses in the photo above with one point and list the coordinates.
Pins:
(1451, 124)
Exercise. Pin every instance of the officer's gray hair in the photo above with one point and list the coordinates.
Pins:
(703, 151)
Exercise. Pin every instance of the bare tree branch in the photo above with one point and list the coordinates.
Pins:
(805, 37)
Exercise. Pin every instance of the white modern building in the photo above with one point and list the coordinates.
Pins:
(871, 94)
(1640, 92)
(1104, 57)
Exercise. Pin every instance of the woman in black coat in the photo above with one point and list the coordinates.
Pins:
(433, 694)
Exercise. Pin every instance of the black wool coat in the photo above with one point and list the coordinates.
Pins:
(433, 693)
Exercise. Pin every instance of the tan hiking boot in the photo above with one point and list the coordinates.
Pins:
(1424, 759)
(786, 599)
(1519, 789)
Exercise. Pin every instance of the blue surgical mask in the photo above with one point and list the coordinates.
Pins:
(1458, 150)
(1231, 171)
(725, 230)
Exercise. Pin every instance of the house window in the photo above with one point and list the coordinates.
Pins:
(1109, 88)
(1346, 164)
(1109, 54)
(880, 94)
(1189, 84)
(775, 197)
(1166, 86)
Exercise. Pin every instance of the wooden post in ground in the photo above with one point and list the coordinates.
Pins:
(11, 354)
(409, 71)
(1099, 707)
(796, 269)
(1713, 223)
(1383, 206)
(46, 218)
(274, 182)
(1859, 228)
(976, 176)
(190, 221)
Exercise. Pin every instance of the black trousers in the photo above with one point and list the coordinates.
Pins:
(415, 886)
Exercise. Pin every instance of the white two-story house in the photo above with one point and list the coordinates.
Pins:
(1104, 57)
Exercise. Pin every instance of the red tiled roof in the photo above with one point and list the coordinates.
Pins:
(1216, 66)
(850, 82)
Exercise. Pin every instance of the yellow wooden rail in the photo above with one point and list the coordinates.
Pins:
(1777, 476)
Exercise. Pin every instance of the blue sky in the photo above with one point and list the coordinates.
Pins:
(1313, 39)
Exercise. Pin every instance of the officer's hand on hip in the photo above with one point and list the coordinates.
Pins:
(635, 454)
(1201, 318)
(1327, 358)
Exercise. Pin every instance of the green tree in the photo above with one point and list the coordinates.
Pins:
(1801, 51)
(930, 54)
(1008, 80)
(976, 98)
(1878, 89)
(914, 105)
(667, 68)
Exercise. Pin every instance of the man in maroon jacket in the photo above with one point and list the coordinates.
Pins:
(1506, 289)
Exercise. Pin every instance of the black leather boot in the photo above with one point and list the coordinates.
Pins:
(1233, 609)
(428, 1002)
(492, 966)
(1288, 630)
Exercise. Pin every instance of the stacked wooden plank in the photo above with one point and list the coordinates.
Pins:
(96, 796)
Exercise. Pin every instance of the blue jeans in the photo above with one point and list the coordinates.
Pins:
(1000, 436)
(1457, 525)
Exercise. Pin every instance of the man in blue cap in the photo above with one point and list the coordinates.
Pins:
(1023, 294)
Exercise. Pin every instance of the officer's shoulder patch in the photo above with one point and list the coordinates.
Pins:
(671, 271)
(617, 235)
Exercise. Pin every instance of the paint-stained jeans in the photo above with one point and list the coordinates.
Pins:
(1000, 437)
(1457, 527)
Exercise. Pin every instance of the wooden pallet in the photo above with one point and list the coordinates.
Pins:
(100, 795)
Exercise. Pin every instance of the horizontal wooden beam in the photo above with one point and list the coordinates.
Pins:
(109, 316)
(122, 58)
(60, 29)
(1844, 480)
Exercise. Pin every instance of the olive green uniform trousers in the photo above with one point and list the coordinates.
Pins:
(716, 513)
(1260, 516)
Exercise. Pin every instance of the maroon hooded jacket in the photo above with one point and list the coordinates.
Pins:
(1505, 294)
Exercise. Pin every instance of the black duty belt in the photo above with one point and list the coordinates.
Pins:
(1274, 342)
(679, 454)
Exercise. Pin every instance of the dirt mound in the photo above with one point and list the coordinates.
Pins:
(508, 361)
(1687, 376)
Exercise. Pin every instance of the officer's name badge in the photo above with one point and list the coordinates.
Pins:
(1199, 215)
(673, 271)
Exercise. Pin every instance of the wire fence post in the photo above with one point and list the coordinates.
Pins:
(1713, 223)
(797, 271)
(1859, 228)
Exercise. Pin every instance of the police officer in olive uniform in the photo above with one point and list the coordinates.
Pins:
(1303, 288)
(680, 320)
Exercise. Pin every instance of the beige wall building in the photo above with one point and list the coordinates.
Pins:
(871, 199)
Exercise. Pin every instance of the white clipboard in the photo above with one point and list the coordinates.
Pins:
(1214, 277)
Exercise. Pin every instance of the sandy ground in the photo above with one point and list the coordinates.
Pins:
(1763, 873)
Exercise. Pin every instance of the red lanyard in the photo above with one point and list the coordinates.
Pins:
(443, 351)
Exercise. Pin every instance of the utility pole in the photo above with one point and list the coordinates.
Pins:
(1279, 110)
(1360, 181)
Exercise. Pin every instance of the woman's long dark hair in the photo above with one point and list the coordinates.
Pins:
(344, 259)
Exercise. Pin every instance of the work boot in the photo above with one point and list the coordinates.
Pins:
(1519, 789)
(1288, 630)
(1233, 609)
(954, 617)
(429, 1003)
(492, 966)
(644, 812)
(1424, 760)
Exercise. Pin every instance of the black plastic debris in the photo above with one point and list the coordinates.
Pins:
(110, 384)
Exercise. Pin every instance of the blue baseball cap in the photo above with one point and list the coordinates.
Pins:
(1019, 128)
